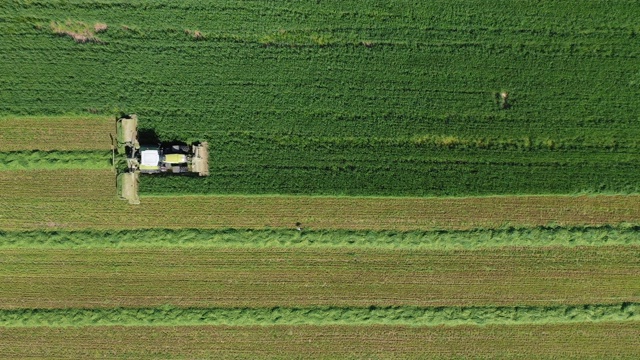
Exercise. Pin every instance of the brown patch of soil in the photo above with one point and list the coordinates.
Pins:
(79, 31)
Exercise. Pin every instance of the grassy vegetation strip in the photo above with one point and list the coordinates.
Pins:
(86, 199)
(342, 277)
(287, 238)
(55, 160)
(610, 340)
(432, 316)
(47, 133)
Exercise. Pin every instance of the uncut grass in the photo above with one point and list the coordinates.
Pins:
(325, 168)
(55, 160)
(445, 73)
(611, 340)
(287, 238)
(265, 277)
(415, 316)
(64, 133)
(86, 199)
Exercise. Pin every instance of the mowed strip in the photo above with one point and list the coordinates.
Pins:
(86, 199)
(105, 278)
(56, 133)
(551, 341)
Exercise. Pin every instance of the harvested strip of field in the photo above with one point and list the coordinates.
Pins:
(56, 133)
(290, 238)
(81, 199)
(79, 278)
(611, 340)
(416, 316)
(55, 160)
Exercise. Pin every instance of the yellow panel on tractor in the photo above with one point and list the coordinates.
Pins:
(175, 158)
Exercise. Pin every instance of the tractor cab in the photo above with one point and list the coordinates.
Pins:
(149, 159)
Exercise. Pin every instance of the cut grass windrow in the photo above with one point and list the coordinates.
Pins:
(86, 199)
(287, 238)
(298, 277)
(584, 340)
(412, 316)
(55, 160)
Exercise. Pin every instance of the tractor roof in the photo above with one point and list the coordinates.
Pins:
(150, 158)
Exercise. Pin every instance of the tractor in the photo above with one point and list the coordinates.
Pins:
(159, 158)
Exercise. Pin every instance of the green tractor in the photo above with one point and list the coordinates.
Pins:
(171, 158)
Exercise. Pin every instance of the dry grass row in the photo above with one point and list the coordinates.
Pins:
(255, 278)
(584, 341)
(56, 133)
(81, 199)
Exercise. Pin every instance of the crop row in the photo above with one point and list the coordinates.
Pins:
(611, 340)
(295, 277)
(86, 199)
(290, 238)
(63, 133)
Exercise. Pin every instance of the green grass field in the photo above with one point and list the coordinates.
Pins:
(463, 173)
(355, 99)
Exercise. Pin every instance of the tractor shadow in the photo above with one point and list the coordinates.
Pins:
(148, 137)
